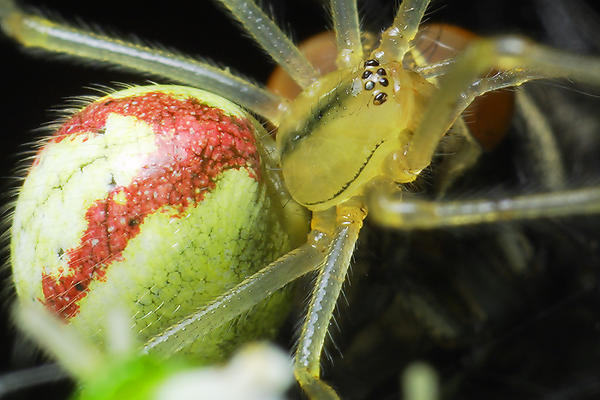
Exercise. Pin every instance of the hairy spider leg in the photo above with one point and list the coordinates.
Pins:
(242, 297)
(538, 136)
(522, 61)
(327, 288)
(347, 33)
(34, 31)
(266, 33)
(396, 40)
(404, 213)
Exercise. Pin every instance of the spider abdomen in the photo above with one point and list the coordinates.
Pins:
(151, 199)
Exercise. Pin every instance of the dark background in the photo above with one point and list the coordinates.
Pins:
(33, 85)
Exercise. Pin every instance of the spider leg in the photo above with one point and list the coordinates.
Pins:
(322, 304)
(347, 33)
(242, 297)
(37, 32)
(522, 60)
(273, 40)
(396, 40)
(537, 135)
(399, 212)
(545, 153)
(465, 153)
(431, 71)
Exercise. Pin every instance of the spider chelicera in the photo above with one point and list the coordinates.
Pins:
(377, 135)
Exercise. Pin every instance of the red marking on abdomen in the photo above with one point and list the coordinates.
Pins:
(196, 143)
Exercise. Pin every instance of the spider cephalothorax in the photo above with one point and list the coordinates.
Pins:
(343, 116)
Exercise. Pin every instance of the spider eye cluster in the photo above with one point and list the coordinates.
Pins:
(373, 76)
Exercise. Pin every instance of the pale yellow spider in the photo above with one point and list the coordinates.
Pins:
(375, 140)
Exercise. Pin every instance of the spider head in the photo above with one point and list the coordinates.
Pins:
(340, 133)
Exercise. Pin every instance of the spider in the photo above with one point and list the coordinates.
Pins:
(375, 196)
